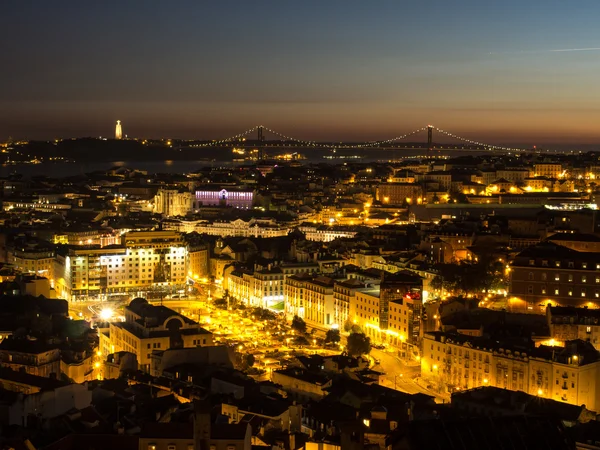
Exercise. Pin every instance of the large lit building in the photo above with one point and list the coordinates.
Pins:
(148, 328)
(550, 274)
(343, 296)
(311, 298)
(265, 228)
(223, 197)
(118, 130)
(198, 257)
(326, 233)
(571, 374)
(145, 259)
(399, 193)
(37, 259)
(548, 170)
(263, 287)
(390, 312)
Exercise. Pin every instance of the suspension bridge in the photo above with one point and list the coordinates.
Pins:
(256, 136)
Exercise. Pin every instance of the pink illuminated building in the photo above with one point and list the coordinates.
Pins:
(235, 199)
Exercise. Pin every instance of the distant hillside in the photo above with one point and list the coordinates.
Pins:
(98, 150)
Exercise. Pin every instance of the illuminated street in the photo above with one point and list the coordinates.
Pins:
(401, 376)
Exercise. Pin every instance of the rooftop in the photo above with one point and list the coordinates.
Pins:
(45, 384)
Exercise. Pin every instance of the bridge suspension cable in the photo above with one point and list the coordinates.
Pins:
(469, 141)
(288, 138)
(222, 141)
(387, 141)
(361, 145)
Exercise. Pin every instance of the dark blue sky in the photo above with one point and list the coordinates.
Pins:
(314, 69)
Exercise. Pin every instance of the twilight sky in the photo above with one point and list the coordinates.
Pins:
(335, 69)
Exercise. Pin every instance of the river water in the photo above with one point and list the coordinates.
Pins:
(59, 170)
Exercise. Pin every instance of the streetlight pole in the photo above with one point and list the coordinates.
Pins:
(395, 379)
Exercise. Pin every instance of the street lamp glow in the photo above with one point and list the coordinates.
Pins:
(107, 313)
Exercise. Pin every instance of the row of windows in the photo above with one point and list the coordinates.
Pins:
(557, 277)
(569, 292)
(570, 264)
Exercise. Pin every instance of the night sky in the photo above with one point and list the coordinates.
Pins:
(313, 69)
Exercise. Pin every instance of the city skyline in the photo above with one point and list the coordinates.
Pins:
(503, 74)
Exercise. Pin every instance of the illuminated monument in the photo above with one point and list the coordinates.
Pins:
(118, 130)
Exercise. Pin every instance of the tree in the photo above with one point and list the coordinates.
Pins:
(298, 324)
(347, 326)
(220, 303)
(355, 329)
(358, 344)
(333, 336)
(437, 283)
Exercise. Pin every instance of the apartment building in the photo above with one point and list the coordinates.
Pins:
(549, 170)
(344, 292)
(34, 357)
(326, 233)
(265, 228)
(515, 176)
(148, 328)
(390, 312)
(142, 260)
(399, 193)
(570, 323)
(263, 287)
(452, 362)
(311, 298)
(550, 274)
(197, 258)
(36, 258)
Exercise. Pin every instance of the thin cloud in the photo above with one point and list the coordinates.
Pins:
(556, 50)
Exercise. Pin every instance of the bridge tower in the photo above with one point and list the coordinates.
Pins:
(260, 139)
(430, 137)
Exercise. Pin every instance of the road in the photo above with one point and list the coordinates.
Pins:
(401, 376)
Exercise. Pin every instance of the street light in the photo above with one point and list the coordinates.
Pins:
(395, 378)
